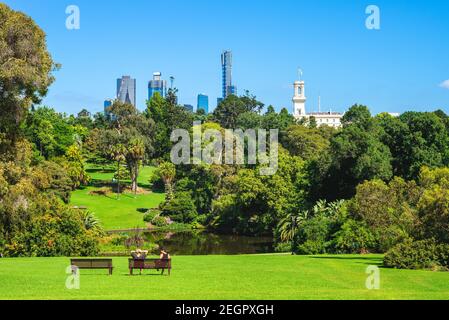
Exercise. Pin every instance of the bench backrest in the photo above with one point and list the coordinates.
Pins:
(91, 263)
(150, 263)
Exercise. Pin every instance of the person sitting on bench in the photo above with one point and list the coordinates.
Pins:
(139, 254)
(164, 255)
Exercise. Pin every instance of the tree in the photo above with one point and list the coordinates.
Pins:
(74, 165)
(167, 172)
(229, 110)
(433, 206)
(92, 223)
(304, 142)
(289, 226)
(52, 132)
(180, 208)
(356, 154)
(415, 139)
(117, 153)
(251, 103)
(134, 155)
(388, 210)
(357, 114)
(167, 116)
(25, 72)
(128, 139)
(280, 121)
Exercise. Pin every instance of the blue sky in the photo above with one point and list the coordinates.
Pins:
(397, 68)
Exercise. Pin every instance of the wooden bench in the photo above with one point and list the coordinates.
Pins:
(150, 264)
(92, 264)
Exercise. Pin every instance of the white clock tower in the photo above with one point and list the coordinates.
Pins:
(299, 100)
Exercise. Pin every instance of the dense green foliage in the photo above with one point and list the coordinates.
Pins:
(34, 187)
(424, 254)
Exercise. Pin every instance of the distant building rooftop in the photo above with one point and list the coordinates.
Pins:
(325, 114)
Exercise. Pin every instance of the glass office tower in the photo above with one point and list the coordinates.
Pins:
(203, 103)
(188, 107)
(226, 64)
(107, 112)
(157, 85)
(126, 90)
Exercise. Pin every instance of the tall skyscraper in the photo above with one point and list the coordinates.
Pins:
(203, 103)
(226, 64)
(157, 85)
(126, 90)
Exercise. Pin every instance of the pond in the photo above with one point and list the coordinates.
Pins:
(203, 243)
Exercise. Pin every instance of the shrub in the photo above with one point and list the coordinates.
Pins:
(150, 215)
(119, 240)
(283, 247)
(354, 237)
(312, 247)
(53, 235)
(181, 208)
(159, 221)
(424, 254)
(314, 236)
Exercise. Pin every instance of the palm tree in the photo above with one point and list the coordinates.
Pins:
(167, 171)
(117, 153)
(134, 155)
(91, 222)
(290, 224)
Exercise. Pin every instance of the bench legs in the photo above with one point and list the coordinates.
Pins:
(163, 270)
(140, 271)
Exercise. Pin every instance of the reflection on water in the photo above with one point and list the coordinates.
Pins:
(202, 243)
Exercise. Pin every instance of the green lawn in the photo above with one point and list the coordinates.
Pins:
(258, 277)
(97, 174)
(117, 214)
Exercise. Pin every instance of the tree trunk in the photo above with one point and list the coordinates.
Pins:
(134, 172)
(118, 179)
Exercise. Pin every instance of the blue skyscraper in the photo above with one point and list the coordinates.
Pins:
(157, 85)
(126, 90)
(188, 107)
(107, 104)
(226, 64)
(203, 103)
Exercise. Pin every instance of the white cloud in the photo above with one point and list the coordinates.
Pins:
(445, 84)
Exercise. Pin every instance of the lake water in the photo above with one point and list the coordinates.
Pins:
(203, 243)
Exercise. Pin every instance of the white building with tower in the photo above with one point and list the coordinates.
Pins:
(331, 119)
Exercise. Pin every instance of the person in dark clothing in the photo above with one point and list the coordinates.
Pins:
(139, 254)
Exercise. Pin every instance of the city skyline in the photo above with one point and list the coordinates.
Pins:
(403, 66)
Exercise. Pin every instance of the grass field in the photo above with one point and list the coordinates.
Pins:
(223, 277)
(117, 214)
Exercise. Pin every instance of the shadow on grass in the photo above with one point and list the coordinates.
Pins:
(136, 275)
(100, 170)
(378, 261)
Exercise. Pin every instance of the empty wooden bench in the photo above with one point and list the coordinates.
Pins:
(92, 264)
(150, 264)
